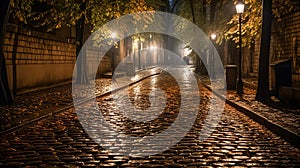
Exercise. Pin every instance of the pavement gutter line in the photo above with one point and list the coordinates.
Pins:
(71, 105)
(284, 133)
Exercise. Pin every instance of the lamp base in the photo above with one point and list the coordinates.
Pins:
(239, 89)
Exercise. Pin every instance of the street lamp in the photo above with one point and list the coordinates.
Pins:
(213, 37)
(113, 35)
(150, 55)
(135, 47)
(139, 52)
(240, 9)
(153, 51)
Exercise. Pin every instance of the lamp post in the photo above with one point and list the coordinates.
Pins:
(240, 9)
(135, 46)
(150, 55)
(213, 37)
(113, 36)
(139, 52)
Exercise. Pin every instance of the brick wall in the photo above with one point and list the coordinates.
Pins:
(285, 44)
(36, 50)
(93, 54)
(37, 59)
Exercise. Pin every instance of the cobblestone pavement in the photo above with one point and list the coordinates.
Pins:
(237, 140)
(38, 103)
(287, 116)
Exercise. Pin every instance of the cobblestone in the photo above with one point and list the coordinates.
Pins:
(237, 140)
(285, 115)
(32, 105)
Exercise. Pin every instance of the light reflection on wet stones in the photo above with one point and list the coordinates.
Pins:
(60, 141)
(161, 123)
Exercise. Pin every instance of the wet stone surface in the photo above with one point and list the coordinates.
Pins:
(285, 115)
(61, 141)
(32, 105)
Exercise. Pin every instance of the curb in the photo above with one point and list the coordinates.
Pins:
(284, 133)
(249, 85)
(71, 105)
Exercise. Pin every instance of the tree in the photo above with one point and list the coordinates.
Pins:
(58, 13)
(252, 19)
(5, 95)
(193, 10)
(262, 93)
(257, 20)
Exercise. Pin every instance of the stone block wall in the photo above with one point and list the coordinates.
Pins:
(285, 44)
(93, 55)
(36, 59)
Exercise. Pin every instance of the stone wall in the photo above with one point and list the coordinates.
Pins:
(285, 44)
(93, 54)
(36, 59)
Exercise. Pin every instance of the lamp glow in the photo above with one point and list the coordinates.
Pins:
(240, 7)
(113, 35)
(213, 36)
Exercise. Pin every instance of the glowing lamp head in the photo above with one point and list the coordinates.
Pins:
(240, 6)
(213, 36)
(113, 35)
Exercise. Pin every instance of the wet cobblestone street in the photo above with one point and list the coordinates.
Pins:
(286, 116)
(60, 140)
(31, 105)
